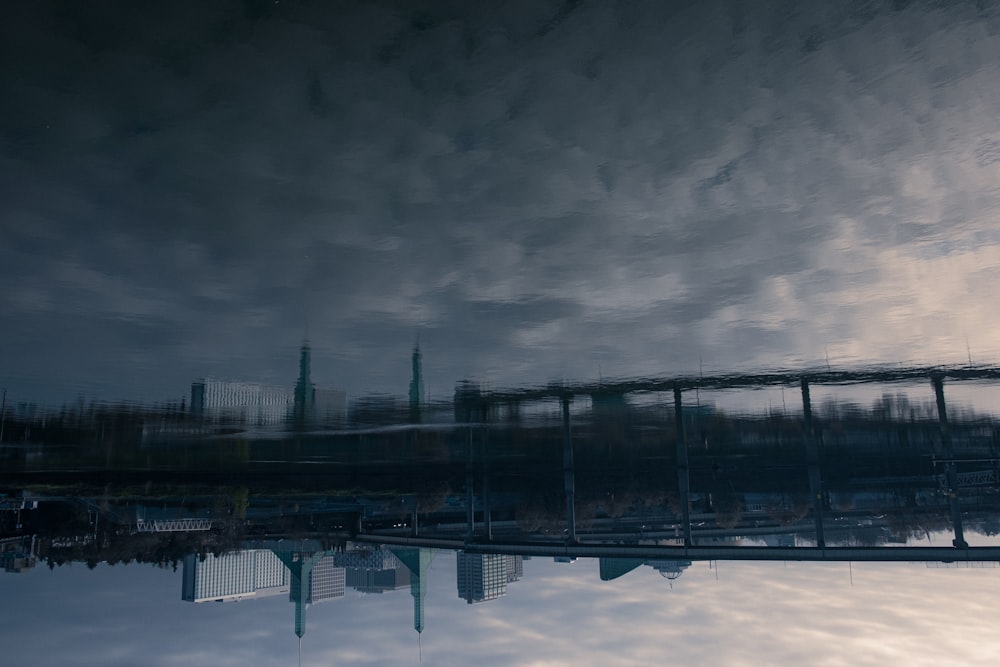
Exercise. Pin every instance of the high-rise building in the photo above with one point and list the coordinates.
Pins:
(233, 576)
(373, 570)
(271, 577)
(418, 562)
(326, 581)
(377, 581)
(304, 398)
(481, 577)
(314, 406)
(243, 402)
(261, 404)
(515, 567)
(315, 578)
(227, 577)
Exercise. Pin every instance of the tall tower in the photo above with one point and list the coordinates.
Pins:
(417, 561)
(304, 392)
(416, 384)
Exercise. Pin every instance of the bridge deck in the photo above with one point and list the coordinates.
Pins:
(881, 375)
(670, 552)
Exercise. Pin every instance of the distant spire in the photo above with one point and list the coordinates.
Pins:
(417, 561)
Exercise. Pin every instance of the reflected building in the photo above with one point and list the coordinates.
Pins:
(304, 396)
(312, 406)
(262, 405)
(378, 581)
(243, 402)
(416, 385)
(472, 404)
(329, 406)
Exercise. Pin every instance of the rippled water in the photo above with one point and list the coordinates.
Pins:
(537, 191)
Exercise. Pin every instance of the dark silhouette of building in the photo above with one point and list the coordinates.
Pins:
(416, 385)
(304, 390)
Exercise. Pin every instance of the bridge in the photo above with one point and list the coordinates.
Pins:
(469, 400)
(777, 378)
(692, 553)
(172, 525)
(977, 478)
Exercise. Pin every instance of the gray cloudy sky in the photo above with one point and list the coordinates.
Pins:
(538, 189)
(557, 615)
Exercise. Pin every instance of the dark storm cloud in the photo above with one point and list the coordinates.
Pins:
(529, 181)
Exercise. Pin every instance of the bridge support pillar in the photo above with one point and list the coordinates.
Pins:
(487, 503)
(812, 460)
(951, 473)
(683, 473)
(470, 498)
(569, 473)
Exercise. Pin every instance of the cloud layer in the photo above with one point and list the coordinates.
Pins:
(558, 614)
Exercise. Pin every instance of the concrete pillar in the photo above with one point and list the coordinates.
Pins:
(812, 460)
(487, 505)
(569, 473)
(683, 473)
(951, 472)
(470, 499)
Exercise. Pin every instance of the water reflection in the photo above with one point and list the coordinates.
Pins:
(538, 191)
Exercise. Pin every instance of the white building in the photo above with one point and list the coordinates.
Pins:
(234, 576)
(261, 404)
(243, 402)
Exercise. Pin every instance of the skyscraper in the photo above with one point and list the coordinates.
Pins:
(326, 581)
(241, 402)
(481, 577)
(232, 576)
(373, 570)
(417, 561)
(314, 578)
(260, 404)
